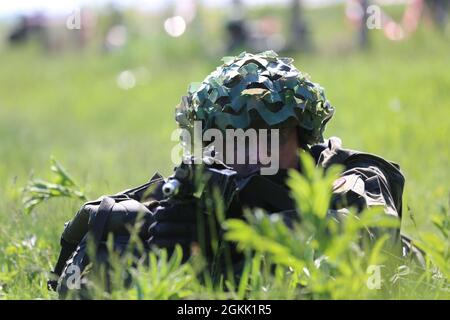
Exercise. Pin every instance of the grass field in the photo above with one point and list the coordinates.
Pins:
(393, 100)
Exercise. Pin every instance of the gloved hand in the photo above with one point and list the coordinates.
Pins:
(178, 222)
(174, 223)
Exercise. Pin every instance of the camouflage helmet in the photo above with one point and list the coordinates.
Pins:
(257, 91)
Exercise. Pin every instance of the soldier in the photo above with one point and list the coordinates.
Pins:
(258, 91)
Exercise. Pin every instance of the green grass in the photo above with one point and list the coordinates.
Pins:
(393, 100)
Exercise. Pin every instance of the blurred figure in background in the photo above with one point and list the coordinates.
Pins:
(236, 27)
(438, 10)
(363, 34)
(300, 35)
(356, 12)
(56, 34)
(254, 35)
(27, 27)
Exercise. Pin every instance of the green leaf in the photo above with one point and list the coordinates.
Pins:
(194, 86)
(62, 184)
(227, 60)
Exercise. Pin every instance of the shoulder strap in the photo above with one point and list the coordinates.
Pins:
(146, 190)
(101, 216)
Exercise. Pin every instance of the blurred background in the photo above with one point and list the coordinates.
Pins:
(95, 84)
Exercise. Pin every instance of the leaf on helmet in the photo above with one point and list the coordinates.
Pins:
(228, 59)
(249, 69)
(272, 97)
(194, 86)
(254, 92)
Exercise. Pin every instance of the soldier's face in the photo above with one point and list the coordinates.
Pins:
(266, 153)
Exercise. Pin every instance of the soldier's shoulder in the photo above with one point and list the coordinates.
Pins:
(331, 152)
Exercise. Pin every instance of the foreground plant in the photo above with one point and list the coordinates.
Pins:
(62, 184)
(328, 255)
(325, 255)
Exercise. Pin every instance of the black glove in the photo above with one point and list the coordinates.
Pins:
(180, 222)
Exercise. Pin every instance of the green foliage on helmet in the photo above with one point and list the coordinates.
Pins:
(257, 91)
